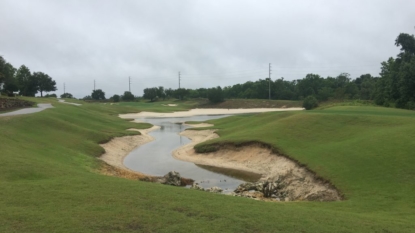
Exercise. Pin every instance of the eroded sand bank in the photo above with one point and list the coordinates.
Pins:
(205, 111)
(303, 185)
(118, 148)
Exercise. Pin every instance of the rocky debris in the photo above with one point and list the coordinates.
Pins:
(197, 187)
(214, 189)
(286, 188)
(171, 178)
(174, 178)
(261, 189)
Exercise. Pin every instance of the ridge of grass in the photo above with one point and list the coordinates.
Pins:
(49, 183)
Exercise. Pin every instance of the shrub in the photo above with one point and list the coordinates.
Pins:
(310, 102)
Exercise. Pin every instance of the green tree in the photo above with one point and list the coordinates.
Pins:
(150, 93)
(116, 98)
(26, 82)
(98, 94)
(67, 95)
(128, 96)
(215, 95)
(44, 82)
(9, 81)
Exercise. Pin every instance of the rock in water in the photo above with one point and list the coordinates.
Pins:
(172, 178)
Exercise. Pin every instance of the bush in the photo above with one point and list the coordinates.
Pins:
(310, 102)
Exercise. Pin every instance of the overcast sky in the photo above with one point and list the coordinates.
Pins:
(210, 42)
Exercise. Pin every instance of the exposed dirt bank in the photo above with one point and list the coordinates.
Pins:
(299, 183)
(206, 111)
(118, 148)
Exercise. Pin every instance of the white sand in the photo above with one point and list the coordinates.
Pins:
(205, 111)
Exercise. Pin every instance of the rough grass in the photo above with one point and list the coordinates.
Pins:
(49, 183)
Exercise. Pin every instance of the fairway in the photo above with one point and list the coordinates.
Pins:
(50, 178)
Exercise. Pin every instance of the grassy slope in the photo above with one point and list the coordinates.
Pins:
(47, 182)
(367, 152)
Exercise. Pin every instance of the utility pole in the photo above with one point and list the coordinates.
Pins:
(64, 88)
(269, 80)
(179, 79)
(94, 84)
(129, 84)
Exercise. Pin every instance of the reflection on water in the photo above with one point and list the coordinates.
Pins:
(237, 174)
(155, 158)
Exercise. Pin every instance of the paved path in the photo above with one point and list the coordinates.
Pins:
(40, 107)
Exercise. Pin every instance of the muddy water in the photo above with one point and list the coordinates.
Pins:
(155, 158)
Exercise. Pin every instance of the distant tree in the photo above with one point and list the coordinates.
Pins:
(150, 93)
(44, 82)
(2, 70)
(407, 43)
(310, 102)
(181, 93)
(161, 93)
(67, 95)
(115, 98)
(128, 96)
(98, 94)
(51, 95)
(215, 95)
(27, 84)
(88, 97)
(7, 71)
(169, 93)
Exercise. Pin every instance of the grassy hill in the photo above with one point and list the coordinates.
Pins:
(49, 180)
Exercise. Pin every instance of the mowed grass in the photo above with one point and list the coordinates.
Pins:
(49, 180)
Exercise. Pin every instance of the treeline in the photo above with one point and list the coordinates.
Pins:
(24, 82)
(394, 87)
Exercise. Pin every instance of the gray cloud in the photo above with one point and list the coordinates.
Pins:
(211, 42)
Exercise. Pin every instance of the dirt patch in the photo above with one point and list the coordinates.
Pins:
(300, 184)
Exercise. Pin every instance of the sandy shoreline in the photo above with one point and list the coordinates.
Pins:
(205, 111)
(118, 148)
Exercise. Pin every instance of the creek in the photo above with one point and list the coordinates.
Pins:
(155, 158)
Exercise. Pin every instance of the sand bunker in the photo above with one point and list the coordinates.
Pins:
(205, 111)
(302, 184)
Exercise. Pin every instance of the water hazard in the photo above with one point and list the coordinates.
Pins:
(155, 158)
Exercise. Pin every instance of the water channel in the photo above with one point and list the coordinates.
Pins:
(155, 158)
